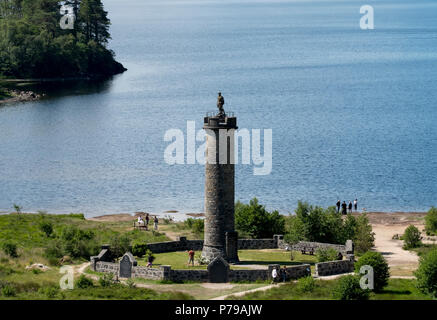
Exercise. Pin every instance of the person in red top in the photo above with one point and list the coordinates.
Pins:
(191, 257)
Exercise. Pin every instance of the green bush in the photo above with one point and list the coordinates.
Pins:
(348, 288)
(46, 227)
(50, 292)
(8, 291)
(364, 238)
(326, 254)
(198, 226)
(120, 244)
(312, 223)
(380, 267)
(106, 280)
(431, 222)
(139, 249)
(10, 248)
(83, 282)
(253, 219)
(426, 274)
(411, 237)
(306, 284)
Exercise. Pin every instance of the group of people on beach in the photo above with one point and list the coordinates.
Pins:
(146, 222)
(347, 208)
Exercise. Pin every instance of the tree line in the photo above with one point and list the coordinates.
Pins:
(33, 44)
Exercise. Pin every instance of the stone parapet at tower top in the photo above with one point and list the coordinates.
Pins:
(220, 236)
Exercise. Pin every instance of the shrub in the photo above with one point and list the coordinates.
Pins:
(256, 221)
(426, 274)
(167, 219)
(380, 267)
(106, 280)
(120, 244)
(326, 254)
(348, 288)
(10, 249)
(412, 237)
(431, 221)
(83, 282)
(46, 227)
(306, 284)
(312, 223)
(17, 208)
(198, 226)
(8, 291)
(364, 238)
(139, 249)
(130, 283)
(50, 292)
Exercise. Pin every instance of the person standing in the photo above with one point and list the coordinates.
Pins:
(147, 221)
(191, 257)
(155, 223)
(344, 208)
(350, 206)
(338, 205)
(356, 205)
(284, 273)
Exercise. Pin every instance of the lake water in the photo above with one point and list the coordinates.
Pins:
(353, 112)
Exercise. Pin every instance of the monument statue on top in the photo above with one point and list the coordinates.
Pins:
(220, 103)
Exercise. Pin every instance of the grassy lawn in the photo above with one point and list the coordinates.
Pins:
(397, 289)
(179, 259)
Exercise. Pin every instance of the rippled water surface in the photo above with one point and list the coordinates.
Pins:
(353, 112)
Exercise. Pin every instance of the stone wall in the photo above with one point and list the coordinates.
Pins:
(181, 245)
(189, 275)
(166, 273)
(292, 273)
(102, 266)
(257, 244)
(312, 246)
(334, 267)
(148, 273)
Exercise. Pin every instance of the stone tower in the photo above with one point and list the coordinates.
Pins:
(220, 236)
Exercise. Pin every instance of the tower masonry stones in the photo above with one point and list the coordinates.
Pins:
(221, 240)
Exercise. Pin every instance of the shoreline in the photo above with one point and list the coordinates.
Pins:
(21, 96)
(383, 218)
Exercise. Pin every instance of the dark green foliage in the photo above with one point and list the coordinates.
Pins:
(431, 222)
(46, 227)
(33, 45)
(254, 220)
(348, 288)
(119, 245)
(426, 274)
(106, 280)
(50, 292)
(83, 282)
(139, 249)
(380, 268)
(74, 242)
(326, 254)
(412, 237)
(306, 284)
(326, 225)
(364, 238)
(10, 248)
(196, 225)
(8, 291)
